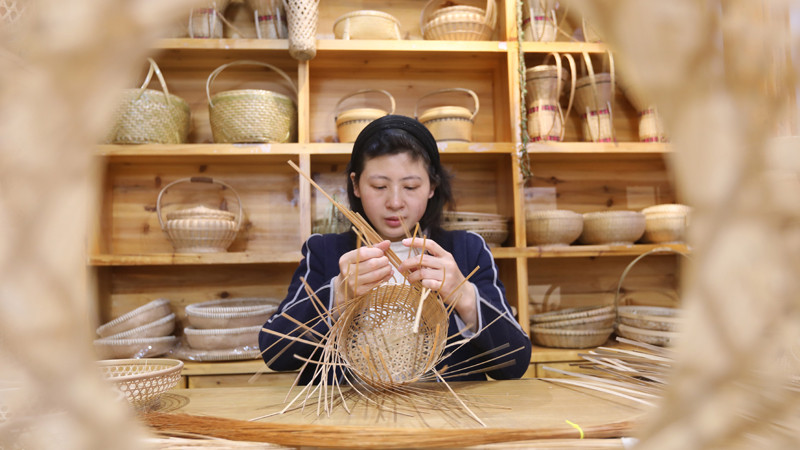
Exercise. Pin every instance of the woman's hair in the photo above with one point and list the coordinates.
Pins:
(392, 135)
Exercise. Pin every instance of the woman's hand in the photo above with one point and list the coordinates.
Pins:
(437, 270)
(371, 265)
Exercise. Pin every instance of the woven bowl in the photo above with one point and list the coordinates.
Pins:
(454, 216)
(601, 321)
(666, 223)
(231, 312)
(674, 208)
(222, 338)
(571, 313)
(157, 328)
(656, 318)
(108, 348)
(142, 315)
(142, 381)
(367, 24)
(457, 23)
(552, 228)
(612, 227)
(654, 337)
(560, 338)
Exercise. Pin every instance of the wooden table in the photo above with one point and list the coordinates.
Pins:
(532, 408)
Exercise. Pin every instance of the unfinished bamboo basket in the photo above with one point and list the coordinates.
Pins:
(441, 21)
(367, 24)
(269, 17)
(252, 115)
(142, 381)
(350, 122)
(449, 123)
(539, 23)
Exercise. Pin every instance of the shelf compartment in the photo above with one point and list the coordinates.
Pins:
(178, 259)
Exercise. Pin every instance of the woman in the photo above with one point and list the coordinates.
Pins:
(396, 181)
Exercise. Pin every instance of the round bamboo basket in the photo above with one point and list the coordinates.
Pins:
(469, 216)
(449, 123)
(200, 229)
(252, 115)
(143, 315)
(350, 122)
(612, 227)
(539, 23)
(142, 381)
(552, 228)
(666, 223)
(571, 313)
(558, 338)
(367, 24)
(459, 22)
(147, 116)
(377, 341)
(231, 312)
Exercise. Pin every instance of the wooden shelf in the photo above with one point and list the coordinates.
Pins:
(191, 368)
(556, 149)
(177, 259)
(564, 47)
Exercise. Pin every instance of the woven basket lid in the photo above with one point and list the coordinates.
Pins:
(360, 114)
(445, 112)
(200, 212)
(367, 13)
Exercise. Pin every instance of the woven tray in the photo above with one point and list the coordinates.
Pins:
(601, 321)
(157, 328)
(142, 315)
(655, 318)
(142, 381)
(662, 338)
(559, 338)
(572, 313)
(231, 312)
(222, 338)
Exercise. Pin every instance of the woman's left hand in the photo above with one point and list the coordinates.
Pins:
(438, 271)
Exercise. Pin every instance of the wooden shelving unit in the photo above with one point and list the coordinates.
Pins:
(134, 262)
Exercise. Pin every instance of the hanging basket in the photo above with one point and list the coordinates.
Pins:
(350, 122)
(252, 115)
(449, 123)
(147, 116)
(459, 22)
(200, 229)
(367, 24)
(302, 16)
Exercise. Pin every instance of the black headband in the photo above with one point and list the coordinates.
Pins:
(397, 122)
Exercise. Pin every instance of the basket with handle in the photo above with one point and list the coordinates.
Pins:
(147, 116)
(440, 21)
(544, 84)
(350, 122)
(206, 21)
(252, 115)
(650, 126)
(539, 23)
(200, 229)
(269, 17)
(594, 96)
(449, 123)
(302, 18)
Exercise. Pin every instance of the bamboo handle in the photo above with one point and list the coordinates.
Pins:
(219, 70)
(198, 180)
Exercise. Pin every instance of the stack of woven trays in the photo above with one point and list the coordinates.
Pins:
(492, 227)
(655, 325)
(225, 329)
(141, 333)
(588, 326)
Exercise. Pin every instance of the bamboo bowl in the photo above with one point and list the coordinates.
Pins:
(367, 24)
(231, 312)
(612, 227)
(552, 228)
(142, 381)
(560, 338)
(138, 317)
(222, 338)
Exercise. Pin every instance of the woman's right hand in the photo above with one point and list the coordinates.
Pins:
(371, 265)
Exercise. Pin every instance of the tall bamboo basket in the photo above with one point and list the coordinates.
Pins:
(269, 17)
(350, 122)
(440, 21)
(303, 16)
(377, 340)
(594, 97)
(200, 229)
(650, 126)
(367, 24)
(147, 116)
(539, 23)
(543, 91)
(449, 123)
(252, 115)
(206, 22)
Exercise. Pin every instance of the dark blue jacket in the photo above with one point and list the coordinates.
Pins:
(320, 266)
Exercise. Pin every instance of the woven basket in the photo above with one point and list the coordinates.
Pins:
(598, 322)
(594, 98)
(206, 22)
(543, 90)
(157, 328)
(350, 122)
(449, 123)
(656, 318)
(143, 315)
(200, 229)
(270, 19)
(552, 228)
(558, 338)
(142, 381)
(302, 16)
(666, 228)
(377, 340)
(571, 313)
(662, 338)
(231, 312)
(109, 348)
(147, 116)
(458, 23)
(252, 115)
(367, 24)
(612, 227)
(539, 22)
(468, 216)
(222, 338)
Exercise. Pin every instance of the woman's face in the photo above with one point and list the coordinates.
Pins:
(393, 188)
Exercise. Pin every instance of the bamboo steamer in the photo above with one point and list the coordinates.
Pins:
(252, 115)
(350, 122)
(438, 21)
(612, 227)
(367, 24)
(200, 229)
(539, 22)
(449, 123)
(552, 228)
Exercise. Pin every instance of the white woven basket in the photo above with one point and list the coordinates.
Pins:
(147, 313)
(231, 312)
(142, 381)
